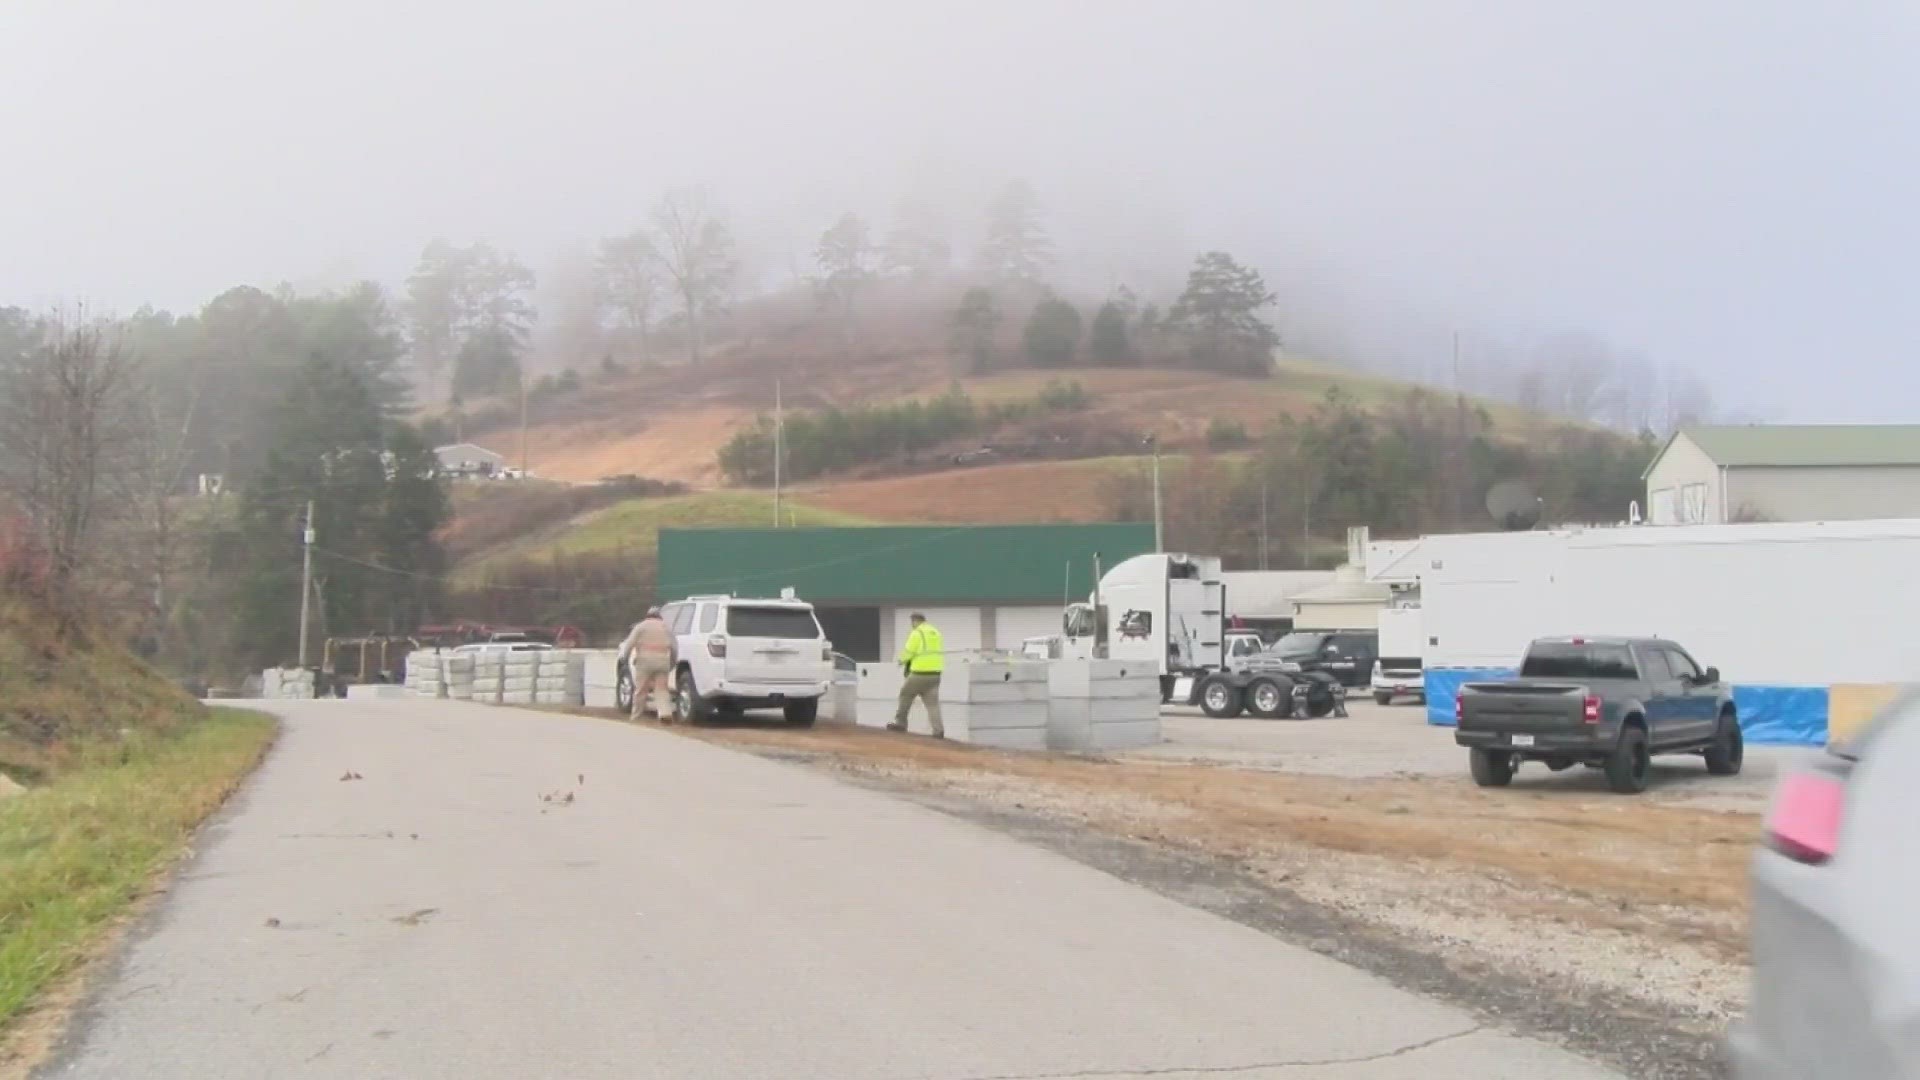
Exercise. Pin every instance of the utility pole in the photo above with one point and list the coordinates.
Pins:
(306, 578)
(1159, 526)
(1263, 526)
(1456, 361)
(779, 424)
(523, 423)
(1306, 527)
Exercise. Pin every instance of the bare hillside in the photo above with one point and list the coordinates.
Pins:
(669, 422)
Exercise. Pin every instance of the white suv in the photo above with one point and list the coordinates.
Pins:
(733, 653)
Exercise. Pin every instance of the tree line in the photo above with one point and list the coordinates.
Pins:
(1422, 463)
(818, 442)
(155, 472)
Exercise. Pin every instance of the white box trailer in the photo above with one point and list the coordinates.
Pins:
(1788, 611)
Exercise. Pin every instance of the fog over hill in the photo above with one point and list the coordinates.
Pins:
(1722, 186)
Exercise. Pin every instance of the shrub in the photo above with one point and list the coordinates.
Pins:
(1227, 435)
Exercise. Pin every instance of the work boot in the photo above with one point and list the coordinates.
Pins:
(896, 727)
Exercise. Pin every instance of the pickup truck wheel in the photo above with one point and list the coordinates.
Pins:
(1220, 699)
(1270, 699)
(1628, 764)
(1728, 748)
(623, 690)
(803, 713)
(1491, 768)
(1382, 697)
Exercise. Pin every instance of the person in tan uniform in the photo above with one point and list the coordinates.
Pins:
(648, 650)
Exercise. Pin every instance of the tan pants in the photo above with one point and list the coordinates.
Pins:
(650, 686)
(926, 687)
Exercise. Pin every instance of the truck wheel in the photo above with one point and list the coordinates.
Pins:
(1628, 764)
(1728, 748)
(1314, 698)
(1490, 768)
(1270, 699)
(688, 706)
(1382, 697)
(803, 713)
(1220, 699)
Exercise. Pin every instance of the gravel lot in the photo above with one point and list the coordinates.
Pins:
(1378, 741)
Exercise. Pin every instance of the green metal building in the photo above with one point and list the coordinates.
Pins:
(984, 586)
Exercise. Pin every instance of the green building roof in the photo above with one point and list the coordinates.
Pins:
(918, 564)
(1788, 445)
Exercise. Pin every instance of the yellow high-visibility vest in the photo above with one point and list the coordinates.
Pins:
(923, 653)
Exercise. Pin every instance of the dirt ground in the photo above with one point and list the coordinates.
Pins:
(1022, 492)
(1640, 900)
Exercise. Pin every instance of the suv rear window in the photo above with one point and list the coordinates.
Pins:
(1570, 660)
(771, 622)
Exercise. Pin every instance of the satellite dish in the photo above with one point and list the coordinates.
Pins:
(1514, 505)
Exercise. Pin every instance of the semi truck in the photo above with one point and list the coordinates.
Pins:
(1177, 612)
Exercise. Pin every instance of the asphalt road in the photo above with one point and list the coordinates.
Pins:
(511, 894)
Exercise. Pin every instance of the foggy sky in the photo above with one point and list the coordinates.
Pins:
(1728, 184)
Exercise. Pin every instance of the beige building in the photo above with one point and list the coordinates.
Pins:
(1785, 472)
(1348, 602)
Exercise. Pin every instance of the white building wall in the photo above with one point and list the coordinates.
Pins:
(1683, 487)
(1752, 600)
(1012, 625)
(1820, 493)
(960, 627)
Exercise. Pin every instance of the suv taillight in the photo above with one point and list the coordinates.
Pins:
(1459, 708)
(826, 653)
(716, 646)
(1590, 710)
(1804, 822)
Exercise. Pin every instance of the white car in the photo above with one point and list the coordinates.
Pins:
(733, 653)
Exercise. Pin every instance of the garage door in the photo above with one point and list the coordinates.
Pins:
(1013, 625)
(959, 627)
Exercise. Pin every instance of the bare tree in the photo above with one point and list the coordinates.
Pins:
(153, 480)
(845, 257)
(696, 248)
(65, 430)
(630, 273)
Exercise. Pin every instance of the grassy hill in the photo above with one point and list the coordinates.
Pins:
(669, 422)
(634, 525)
(106, 768)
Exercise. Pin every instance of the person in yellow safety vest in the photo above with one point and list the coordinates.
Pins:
(923, 657)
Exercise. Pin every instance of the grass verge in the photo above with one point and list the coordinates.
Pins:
(77, 851)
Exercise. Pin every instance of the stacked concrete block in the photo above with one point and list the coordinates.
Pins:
(518, 673)
(426, 674)
(377, 691)
(560, 678)
(489, 670)
(1096, 705)
(841, 705)
(998, 703)
(599, 676)
(877, 694)
(286, 683)
(457, 673)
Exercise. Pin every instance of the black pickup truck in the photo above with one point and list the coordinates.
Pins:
(1608, 703)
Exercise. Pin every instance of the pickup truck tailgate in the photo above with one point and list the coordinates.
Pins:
(1528, 706)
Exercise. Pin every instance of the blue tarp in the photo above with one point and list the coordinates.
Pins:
(1443, 685)
(1789, 715)
(1793, 715)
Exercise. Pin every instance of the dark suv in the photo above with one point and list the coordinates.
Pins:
(1610, 703)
